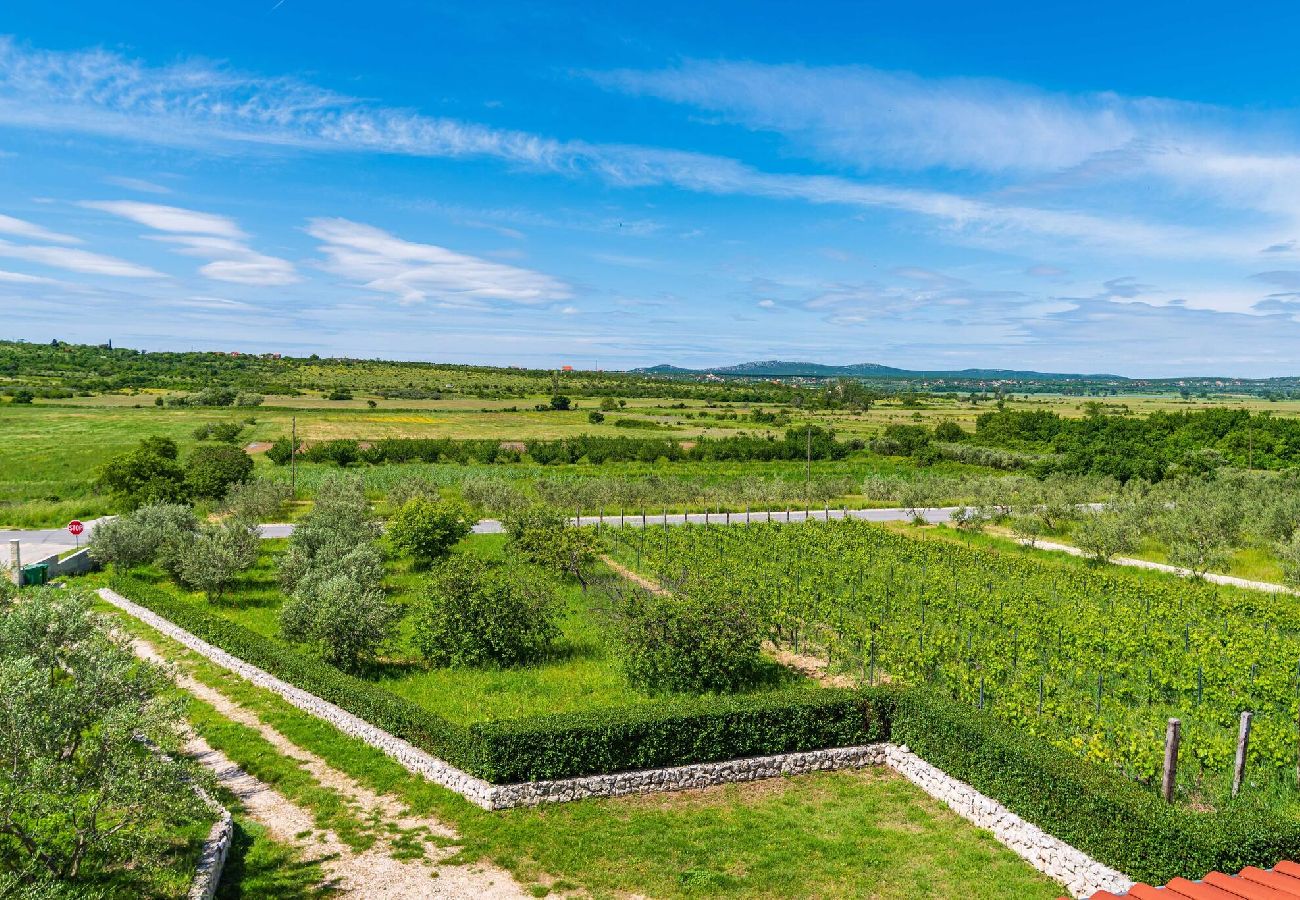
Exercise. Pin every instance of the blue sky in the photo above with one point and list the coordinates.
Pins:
(1113, 188)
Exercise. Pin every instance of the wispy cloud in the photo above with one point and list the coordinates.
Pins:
(137, 184)
(871, 118)
(24, 229)
(201, 105)
(205, 235)
(415, 272)
(75, 260)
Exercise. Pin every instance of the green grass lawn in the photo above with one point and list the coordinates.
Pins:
(848, 834)
(582, 673)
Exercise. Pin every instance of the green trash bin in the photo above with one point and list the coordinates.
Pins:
(36, 574)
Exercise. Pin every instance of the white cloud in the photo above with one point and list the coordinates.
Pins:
(75, 260)
(206, 235)
(21, 278)
(137, 184)
(24, 229)
(200, 105)
(169, 218)
(415, 272)
(872, 118)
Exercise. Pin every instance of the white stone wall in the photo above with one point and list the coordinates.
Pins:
(1081, 874)
(207, 875)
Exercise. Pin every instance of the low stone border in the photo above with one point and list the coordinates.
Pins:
(1078, 871)
(207, 875)
(1081, 874)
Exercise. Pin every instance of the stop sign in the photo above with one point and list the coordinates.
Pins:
(76, 527)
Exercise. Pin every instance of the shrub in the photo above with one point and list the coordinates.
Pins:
(595, 418)
(698, 640)
(339, 523)
(345, 620)
(257, 500)
(545, 538)
(143, 536)
(1088, 805)
(425, 530)
(202, 432)
(80, 790)
(949, 432)
(493, 495)
(210, 471)
(226, 432)
(409, 486)
(560, 402)
(147, 474)
(679, 731)
(480, 614)
(210, 560)
(281, 451)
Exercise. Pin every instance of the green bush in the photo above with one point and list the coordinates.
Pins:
(148, 474)
(344, 619)
(696, 640)
(483, 614)
(426, 530)
(149, 534)
(211, 470)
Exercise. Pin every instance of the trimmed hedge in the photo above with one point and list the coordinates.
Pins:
(665, 733)
(1088, 805)
(681, 731)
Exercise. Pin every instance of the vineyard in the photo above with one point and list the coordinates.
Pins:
(1095, 660)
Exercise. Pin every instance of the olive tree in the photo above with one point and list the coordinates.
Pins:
(214, 557)
(1201, 526)
(1105, 534)
(149, 534)
(81, 791)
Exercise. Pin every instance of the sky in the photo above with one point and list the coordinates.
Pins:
(1105, 188)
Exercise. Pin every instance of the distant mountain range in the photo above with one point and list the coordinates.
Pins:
(778, 368)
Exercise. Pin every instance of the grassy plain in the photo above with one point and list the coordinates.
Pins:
(49, 450)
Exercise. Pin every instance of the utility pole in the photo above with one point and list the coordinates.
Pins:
(807, 470)
(293, 459)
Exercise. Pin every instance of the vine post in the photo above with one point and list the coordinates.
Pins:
(1243, 741)
(1173, 736)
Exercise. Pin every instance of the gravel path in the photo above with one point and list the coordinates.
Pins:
(1214, 577)
(370, 873)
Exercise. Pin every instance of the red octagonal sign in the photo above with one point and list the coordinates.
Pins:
(76, 527)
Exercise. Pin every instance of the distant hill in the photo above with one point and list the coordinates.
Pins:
(777, 368)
